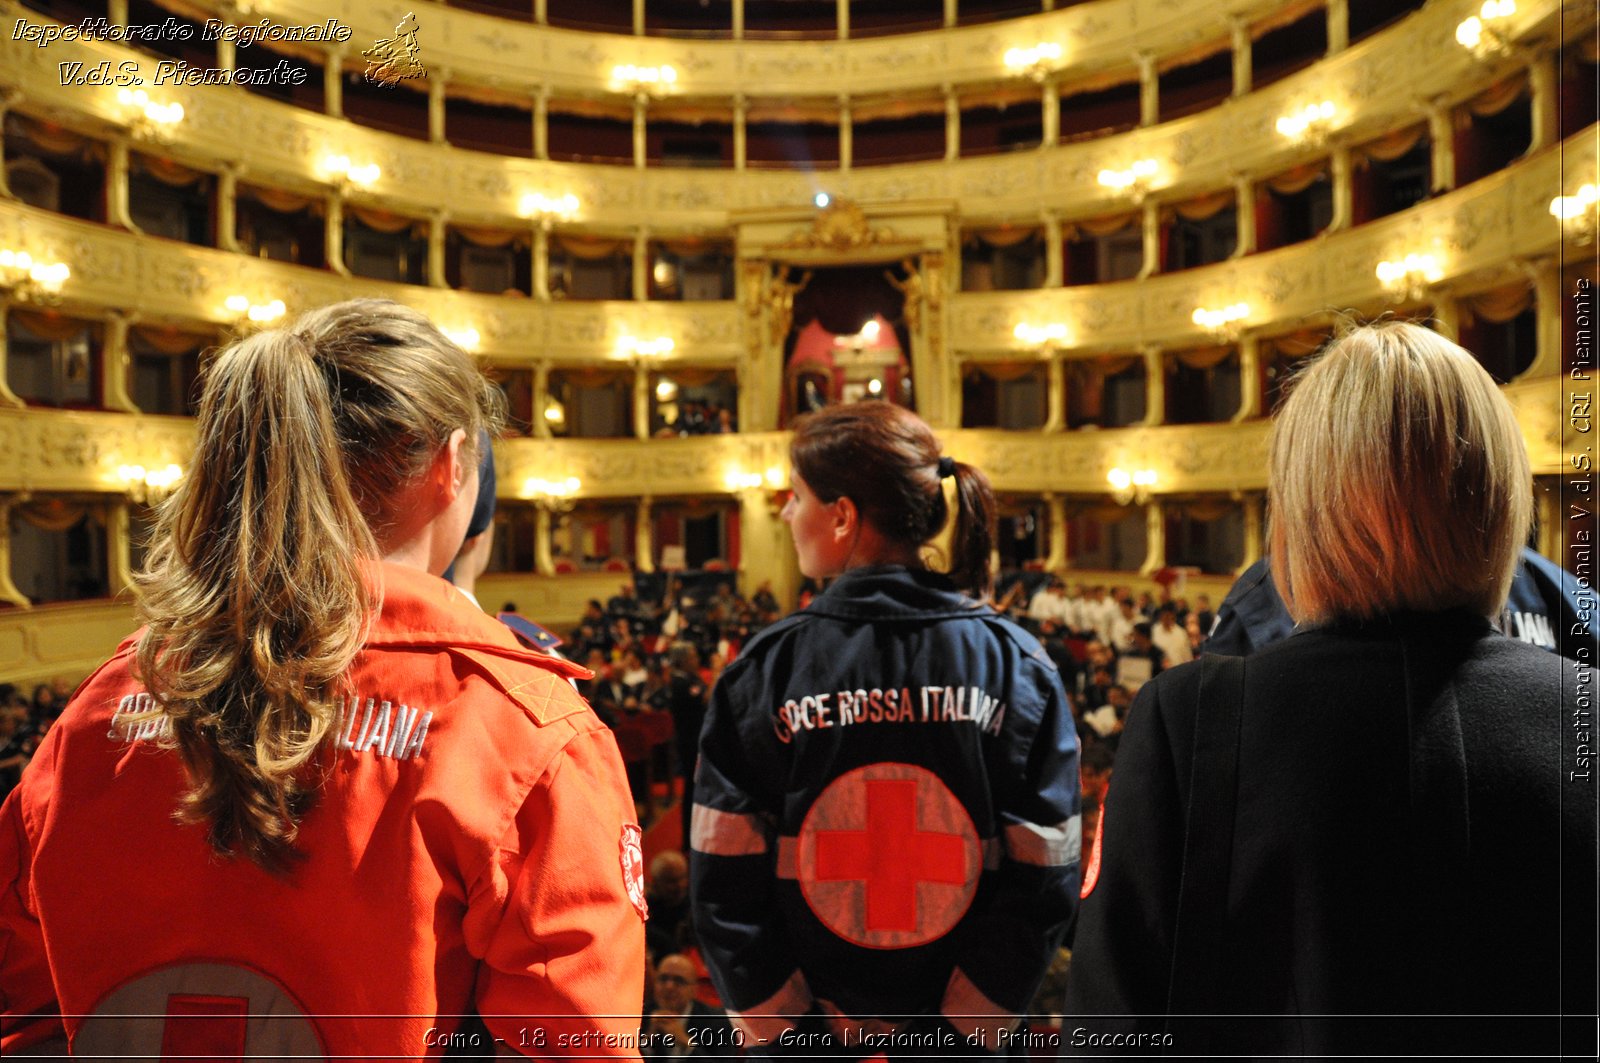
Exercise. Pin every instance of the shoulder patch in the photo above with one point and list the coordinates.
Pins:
(632, 846)
(538, 684)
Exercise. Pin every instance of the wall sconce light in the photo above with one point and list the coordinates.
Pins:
(1222, 322)
(1410, 277)
(630, 347)
(1310, 125)
(772, 483)
(1051, 335)
(1577, 214)
(28, 280)
(342, 172)
(738, 480)
(465, 338)
(1037, 62)
(643, 79)
(666, 390)
(147, 119)
(1480, 34)
(148, 485)
(1130, 487)
(546, 209)
(256, 314)
(1135, 179)
(554, 496)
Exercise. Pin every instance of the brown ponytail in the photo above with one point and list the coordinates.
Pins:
(886, 460)
(253, 595)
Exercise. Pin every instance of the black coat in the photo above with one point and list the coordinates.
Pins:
(1415, 835)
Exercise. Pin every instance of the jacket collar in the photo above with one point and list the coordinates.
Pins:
(888, 592)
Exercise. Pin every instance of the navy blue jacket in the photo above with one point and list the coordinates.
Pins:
(886, 812)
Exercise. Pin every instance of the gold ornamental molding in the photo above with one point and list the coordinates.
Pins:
(1096, 38)
(66, 642)
(163, 279)
(1484, 229)
(1379, 83)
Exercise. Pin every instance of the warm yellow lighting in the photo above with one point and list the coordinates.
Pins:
(874, 387)
(1410, 276)
(1479, 34)
(466, 338)
(666, 390)
(537, 487)
(1221, 320)
(643, 78)
(739, 480)
(633, 347)
(774, 478)
(1576, 214)
(539, 205)
(1036, 61)
(339, 168)
(1310, 123)
(869, 331)
(28, 279)
(147, 117)
(1133, 486)
(555, 414)
(1120, 479)
(1039, 335)
(243, 309)
(1135, 178)
(144, 484)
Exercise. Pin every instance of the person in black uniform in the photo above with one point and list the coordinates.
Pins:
(886, 826)
(1378, 834)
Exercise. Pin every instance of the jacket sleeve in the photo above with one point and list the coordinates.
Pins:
(1034, 892)
(1122, 955)
(560, 933)
(29, 1011)
(732, 872)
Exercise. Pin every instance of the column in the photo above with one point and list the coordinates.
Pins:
(228, 207)
(8, 589)
(638, 18)
(639, 143)
(641, 401)
(1149, 89)
(226, 60)
(1155, 386)
(1239, 31)
(1249, 378)
(1056, 560)
(1054, 266)
(949, 13)
(117, 12)
(541, 124)
(116, 364)
(117, 185)
(436, 247)
(333, 235)
(541, 399)
(1051, 114)
(543, 563)
(1056, 397)
(1542, 86)
(1155, 535)
(1339, 163)
(8, 99)
(333, 83)
(541, 263)
(7, 396)
(740, 110)
(952, 124)
(641, 265)
(1150, 224)
(738, 20)
(436, 108)
(1244, 198)
(644, 547)
(1547, 299)
(541, 12)
(1252, 532)
(1447, 312)
(846, 134)
(1338, 25)
(1552, 526)
(1442, 134)
(843, 9)
(119, 553)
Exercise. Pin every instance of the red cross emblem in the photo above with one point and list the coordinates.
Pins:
(888, 857)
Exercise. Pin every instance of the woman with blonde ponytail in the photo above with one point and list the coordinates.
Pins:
(319, 805)
(904, 759)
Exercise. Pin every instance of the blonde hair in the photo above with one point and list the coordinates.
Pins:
(253, 594)
(1399, 481)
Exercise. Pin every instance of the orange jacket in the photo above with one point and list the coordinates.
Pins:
(473, 848)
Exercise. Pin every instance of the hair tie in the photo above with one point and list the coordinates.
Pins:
(947, 468)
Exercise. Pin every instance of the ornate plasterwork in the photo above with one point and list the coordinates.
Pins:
(1378, 83)
(64, 642)
(841, 226)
